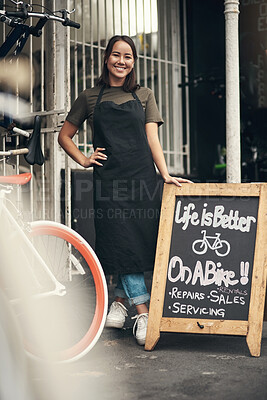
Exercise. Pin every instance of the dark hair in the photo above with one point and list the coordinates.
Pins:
(130, 84)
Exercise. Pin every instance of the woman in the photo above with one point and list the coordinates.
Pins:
(124, 119)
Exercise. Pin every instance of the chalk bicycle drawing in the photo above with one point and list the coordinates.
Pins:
(221, 247)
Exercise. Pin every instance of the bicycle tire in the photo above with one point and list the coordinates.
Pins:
(202, 245)
(55, 235)
(224, 253)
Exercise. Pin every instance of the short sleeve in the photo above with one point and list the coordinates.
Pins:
(79, 111)
(152, 112)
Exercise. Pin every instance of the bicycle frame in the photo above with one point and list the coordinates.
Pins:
(60, 289)
(20, 33)
(217, 242)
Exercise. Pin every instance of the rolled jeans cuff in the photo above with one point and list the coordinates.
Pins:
(143, 298)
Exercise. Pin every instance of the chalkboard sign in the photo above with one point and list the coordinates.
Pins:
(210, 268)
(211, 258)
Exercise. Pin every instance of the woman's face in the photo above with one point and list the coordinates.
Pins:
(120, 63)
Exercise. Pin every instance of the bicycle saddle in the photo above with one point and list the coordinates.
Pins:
(35, 155)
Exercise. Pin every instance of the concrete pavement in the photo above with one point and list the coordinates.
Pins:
(182, 366)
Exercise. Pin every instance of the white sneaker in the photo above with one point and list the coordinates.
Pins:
(140, 328)
(116, 316)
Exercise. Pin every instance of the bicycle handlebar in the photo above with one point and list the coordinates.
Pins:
(72, 24)
(21, 30)
(15, 152)
(16, 14)
(25, 14)
(21, 132)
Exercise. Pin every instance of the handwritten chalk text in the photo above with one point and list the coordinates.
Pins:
(189, 309)
(210, 274)
(216, 219)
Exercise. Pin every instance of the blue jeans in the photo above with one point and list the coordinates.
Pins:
(133, 288)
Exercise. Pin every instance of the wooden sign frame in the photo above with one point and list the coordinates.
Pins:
(252, 328)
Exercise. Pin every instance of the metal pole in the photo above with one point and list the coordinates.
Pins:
(233, 169)
(50, 101)
(66, 69)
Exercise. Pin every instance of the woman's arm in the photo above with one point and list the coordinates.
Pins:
(66, 134)
(158, 156)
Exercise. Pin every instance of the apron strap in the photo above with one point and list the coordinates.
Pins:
(100, 95)
(137, 99)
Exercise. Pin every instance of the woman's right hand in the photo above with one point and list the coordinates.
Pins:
(66, 134)
(93, 159)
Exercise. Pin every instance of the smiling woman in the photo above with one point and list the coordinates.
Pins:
(120, 63)
(124, 118)
(118, 68)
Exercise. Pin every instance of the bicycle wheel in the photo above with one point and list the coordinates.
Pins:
(199, 246)
(224, 249)
(69, 324)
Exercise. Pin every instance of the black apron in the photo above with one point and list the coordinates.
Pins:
(126, 188)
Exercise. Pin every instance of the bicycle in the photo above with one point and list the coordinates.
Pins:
(66, 283)
(60, 266)
(221, 247)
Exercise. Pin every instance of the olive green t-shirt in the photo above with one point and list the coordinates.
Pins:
(84, 105)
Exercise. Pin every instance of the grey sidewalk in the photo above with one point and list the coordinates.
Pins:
(182, 366)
